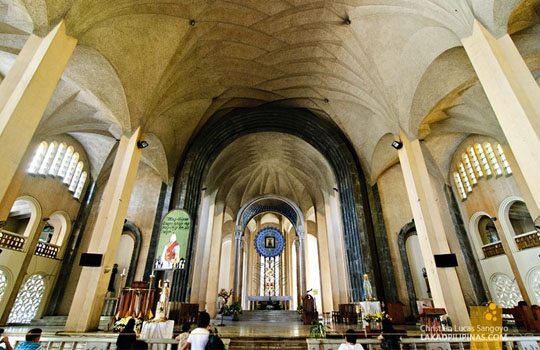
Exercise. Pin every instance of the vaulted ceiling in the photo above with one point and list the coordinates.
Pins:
(373, 66)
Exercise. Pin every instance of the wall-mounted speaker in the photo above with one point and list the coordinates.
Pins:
(446, 260)
(91, 259)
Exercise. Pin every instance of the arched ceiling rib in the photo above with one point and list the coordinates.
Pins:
(170, 66)
(270, 163)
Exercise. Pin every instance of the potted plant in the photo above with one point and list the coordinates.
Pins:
(236, 310)
(317, 330)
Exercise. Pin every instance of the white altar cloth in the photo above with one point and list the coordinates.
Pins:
(158, 330)
(370, 307)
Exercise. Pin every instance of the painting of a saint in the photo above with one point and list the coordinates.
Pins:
(269, 242)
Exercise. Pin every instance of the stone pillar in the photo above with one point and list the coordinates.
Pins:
(514, 96)
(237, 267)
(444, 282)
(24, 95)
(302, 262)
(92, 286)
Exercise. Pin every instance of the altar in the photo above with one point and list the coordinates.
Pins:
(261, 302)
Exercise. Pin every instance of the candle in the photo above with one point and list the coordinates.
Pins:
(124, 271)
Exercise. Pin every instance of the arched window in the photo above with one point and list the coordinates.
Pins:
(71, 168)
(487, 230)
(57, 159)
(28, 299)
(464, 177)
(80, 185)
(38, 158)
(469, 168)
(65, 162)
(521, 219)
(482, 156)
(493, 159)
(76, 177)
(504, 161)
(459, 185)
(49, 156)
(475, 162)
(3, 283)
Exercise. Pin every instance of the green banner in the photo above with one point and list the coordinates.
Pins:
(173, 239)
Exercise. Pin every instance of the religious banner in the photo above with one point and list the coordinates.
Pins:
(173, 239)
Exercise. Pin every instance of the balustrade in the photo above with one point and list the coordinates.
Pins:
(46, 250)
(10, 240)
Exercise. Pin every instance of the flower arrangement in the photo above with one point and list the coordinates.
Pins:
(121, 324)
(225, 296)
(376, 317)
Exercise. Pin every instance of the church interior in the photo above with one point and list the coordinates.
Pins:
(277, 164)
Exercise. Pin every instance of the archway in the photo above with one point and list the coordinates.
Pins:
(257, 206)
(324, 136)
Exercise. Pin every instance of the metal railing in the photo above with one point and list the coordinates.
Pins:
(91, 342)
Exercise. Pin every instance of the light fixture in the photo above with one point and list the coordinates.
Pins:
(192, 23)
(397, 144)
(347, 21)
(142, 144)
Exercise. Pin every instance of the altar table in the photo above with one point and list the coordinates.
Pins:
(252, 299)
(368, 307)
(158, 330)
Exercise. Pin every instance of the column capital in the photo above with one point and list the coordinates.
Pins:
(238, 235)
(301, 235)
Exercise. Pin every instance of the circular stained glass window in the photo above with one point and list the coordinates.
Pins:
(269, 242)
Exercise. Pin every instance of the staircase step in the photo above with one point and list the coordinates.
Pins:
(269, 316)
(268, 343)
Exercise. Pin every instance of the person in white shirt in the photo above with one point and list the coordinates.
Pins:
(199, 336)
(350, 341)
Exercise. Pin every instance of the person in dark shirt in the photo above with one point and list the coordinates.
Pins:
(127, 336)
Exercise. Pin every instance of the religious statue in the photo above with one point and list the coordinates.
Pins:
(424, 273)
(163, 303)
(368, 290)
(171, 253)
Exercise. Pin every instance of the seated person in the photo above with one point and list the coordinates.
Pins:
(350, 341)
(4, 341)
(32, 340)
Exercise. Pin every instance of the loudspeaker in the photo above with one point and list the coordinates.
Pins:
(446, 260)
(91, 259)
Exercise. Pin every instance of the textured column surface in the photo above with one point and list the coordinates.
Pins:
(24, 95)
(514, 96)
(444, 282)
(92, 286)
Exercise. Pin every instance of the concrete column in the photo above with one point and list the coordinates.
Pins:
(302, 262)
(24, 95)
(324, 265)
(214, 263)
(444, 282)
(514, 96)
(237, 285)
(299, 293)
(92, 286)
